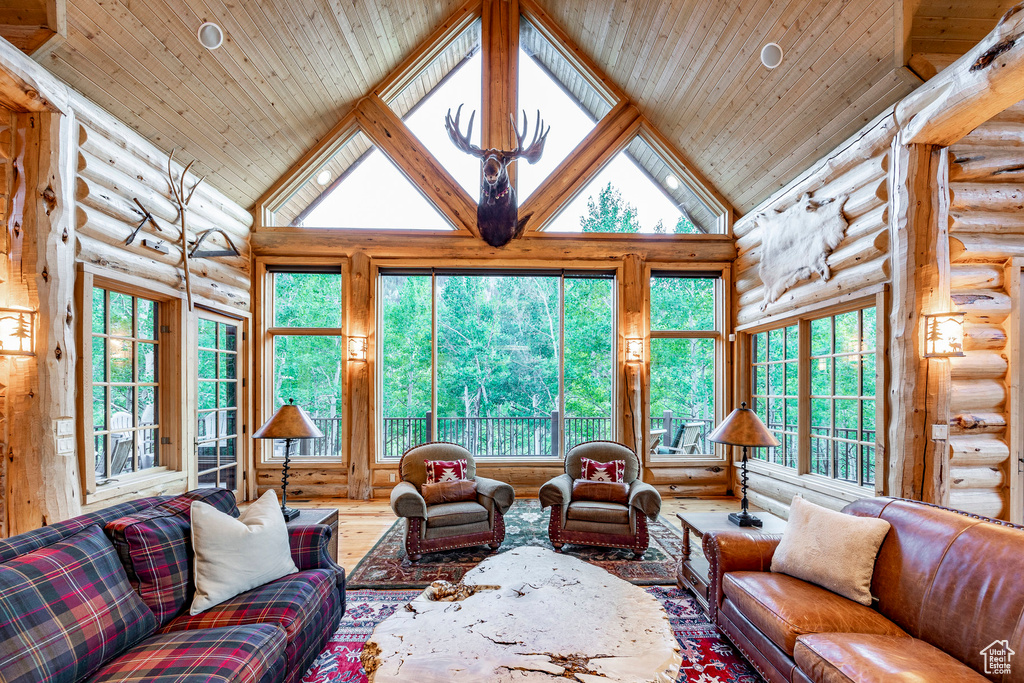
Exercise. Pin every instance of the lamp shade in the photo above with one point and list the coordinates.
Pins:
(743, 428)
(289, 422)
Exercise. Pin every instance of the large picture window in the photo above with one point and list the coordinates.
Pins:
(305, 340)
(837, 436)
(509, 365)
(685, 350)
(125, 384)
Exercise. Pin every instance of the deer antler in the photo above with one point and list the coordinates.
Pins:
(460, 141)
(536, 147)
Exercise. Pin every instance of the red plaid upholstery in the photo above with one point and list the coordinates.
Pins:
(233, 654)
(155, 546)
(292, 602)
(593, 470)
(309, 545)
(65, 609)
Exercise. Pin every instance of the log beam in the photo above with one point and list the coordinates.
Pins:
(360, 429)
(26, 86)
(631, 296)
(919, 396)
(500, 51)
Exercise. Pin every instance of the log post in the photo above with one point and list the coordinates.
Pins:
(919, 393)
(500, 52)
(42, 479)
(360, 427)
(631, 294)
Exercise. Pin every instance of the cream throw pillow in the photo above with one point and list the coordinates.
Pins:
(830, 549)
(236, 555)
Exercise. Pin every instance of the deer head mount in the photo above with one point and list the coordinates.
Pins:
(497, 212)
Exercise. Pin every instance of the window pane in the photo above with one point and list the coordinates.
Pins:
(100, 447)
(821, 337)
(792, 379)
(847, 335)
(147, 319)
(147, 362)
(121, 316)
(792, 342)
(227, 369)
(207, 334)
(99, 311)
(497, 363)
(99, 359)
(308, 370)
(147, 406)
(777, 344)
(588, 367)
(207, 395)
(847, 368)
(99, 408)
(405, 339)
(226, 394)
(680, 303)
(821, 377)
(208, 364)
(868, 381)
(120, 360)
(149, 453)
(683, 382)
(307, 299)
(228, 337)
(760, 352)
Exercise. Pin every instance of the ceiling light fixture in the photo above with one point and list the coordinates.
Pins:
(771, 55)
(323, 178)
(210, 35)
(672, 182)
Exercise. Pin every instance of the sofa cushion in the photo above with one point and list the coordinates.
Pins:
(868, 658)
(601, 491)
(456, 514)
(785, 608)
(156, 549)
(232, 654)
(65, 609)
(602, 513)
(449, 492)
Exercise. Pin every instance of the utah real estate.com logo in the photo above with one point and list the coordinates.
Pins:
(997, 658)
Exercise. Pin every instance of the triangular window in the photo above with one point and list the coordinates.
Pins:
(638, 191)
(359, 187)
(452, 78)
(565, 98)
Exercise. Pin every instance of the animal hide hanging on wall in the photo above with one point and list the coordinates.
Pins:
(796, 243)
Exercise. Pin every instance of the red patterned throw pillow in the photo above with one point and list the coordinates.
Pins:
(445, 470)
(602, 471)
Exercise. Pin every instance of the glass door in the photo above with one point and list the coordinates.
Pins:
(217, 433)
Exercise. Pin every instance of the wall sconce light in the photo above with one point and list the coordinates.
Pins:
(17, 332)
(634, 350)
(944, 335)
(357, 348)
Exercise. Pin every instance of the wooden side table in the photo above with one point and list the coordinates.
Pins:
(694, 570)
(326, 516)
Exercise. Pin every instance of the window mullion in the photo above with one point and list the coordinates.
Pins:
(804, 385)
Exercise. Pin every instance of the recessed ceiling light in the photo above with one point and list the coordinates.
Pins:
(210, 35)
(323, 177)
(771, 55)
(672, 182)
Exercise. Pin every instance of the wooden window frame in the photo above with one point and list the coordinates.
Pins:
(802, 476)
(785, 396)
(264, 354)
(722, 275)
(241, 430)
(172, 324)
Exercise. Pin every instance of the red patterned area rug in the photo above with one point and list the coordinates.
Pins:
(707, 656)
(526, 524)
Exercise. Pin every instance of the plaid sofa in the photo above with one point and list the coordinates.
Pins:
(104, 597)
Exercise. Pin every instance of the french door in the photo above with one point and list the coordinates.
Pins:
(218, 432)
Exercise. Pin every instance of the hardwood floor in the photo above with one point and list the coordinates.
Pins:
(361, 523)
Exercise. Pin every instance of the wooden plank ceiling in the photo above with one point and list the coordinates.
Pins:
(289, 69)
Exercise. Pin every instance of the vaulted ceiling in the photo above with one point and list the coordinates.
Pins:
(290, 69)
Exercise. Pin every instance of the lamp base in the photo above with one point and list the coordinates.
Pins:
(292, 513)
(744, 519)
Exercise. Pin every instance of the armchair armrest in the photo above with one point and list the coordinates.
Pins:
(645, 498)
(557, 491)
(501, 493)
(406, 501)
(309, 547)
(734, 551)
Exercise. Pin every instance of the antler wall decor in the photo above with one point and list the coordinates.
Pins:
(183, 198)
(497, 212)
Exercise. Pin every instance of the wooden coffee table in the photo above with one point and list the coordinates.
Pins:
(326, 516)
(694, 570)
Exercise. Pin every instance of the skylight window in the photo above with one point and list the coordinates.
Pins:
(565, 98)
(638, 191)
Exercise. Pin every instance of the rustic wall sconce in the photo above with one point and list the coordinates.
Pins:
(634, 350)
(944, 335)
(357, 348)
(17, 332)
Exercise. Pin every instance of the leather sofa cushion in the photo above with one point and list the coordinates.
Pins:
(601, 491)
(602, 513)
(449, 491)
(868, 658)
(455, 514)
(785, 608)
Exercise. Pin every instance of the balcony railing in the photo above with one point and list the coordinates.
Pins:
(327, 447)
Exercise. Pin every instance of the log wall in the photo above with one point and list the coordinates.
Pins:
(985, 231)
(859, 264)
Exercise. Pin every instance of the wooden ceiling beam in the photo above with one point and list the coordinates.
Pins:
(393, 138)
(982, 83)
(500, 91)
(26, 86)
(33, 25)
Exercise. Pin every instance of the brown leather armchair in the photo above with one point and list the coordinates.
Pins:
(432, 528)
(611, 525)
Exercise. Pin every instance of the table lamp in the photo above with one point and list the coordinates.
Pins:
(288, 423)
(743, 428)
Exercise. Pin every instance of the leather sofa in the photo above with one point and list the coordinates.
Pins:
(104, 598)
(947, 588)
